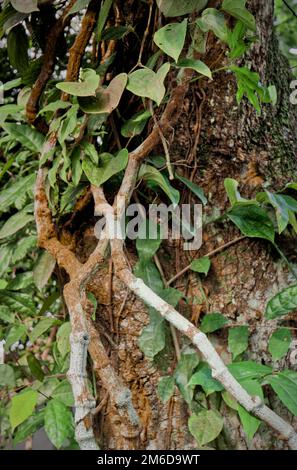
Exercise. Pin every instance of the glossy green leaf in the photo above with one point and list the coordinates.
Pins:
(231, 187)
(148, 84)
(86, 87)
(29, 137)
(205, 426)
(283, 206)
(184, 370)
(171, 38)
(252, 221)
(201, 265)
(250, 423)
(197, 65)
(58, 422)
(282, 303)
(238, 9)
(152, 175)
(285, 386)
(213, 322)
(194, 188)
(166, 388)
(279, 343)
(22, 406)
(105, 99)
(238, 340)
(181, 7)
(248, 370)
(203, 377)
(7, 378)
(43, 269)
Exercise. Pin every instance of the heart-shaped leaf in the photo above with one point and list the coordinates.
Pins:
(171, 38)
(149, 84)
(86, 87)
(106, 99)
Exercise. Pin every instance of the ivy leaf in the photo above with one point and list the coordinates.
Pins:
(250, 423)
(152, 175)
(214, 21)
(35, 367)
(135, 125)
(15, 223)
(29, 427)
(285, 386)
(184, 370)
(25, 6)
(152, 338)
(106, 99)
(29, 137)
(197, 65)
(213, 322)
(86, 87)
(110, 167)
(166, 388)
(238, 340)
(201, 265)
(43, 269)
(248, 370)
(282, 303)
(63, 340)
(194, 188)
(279, 343)
(205, 426)
(58, 422)
(238, 10)
(203, 377)
(63, 393)
(252, 221)
(180, 8)
(171, 38)
(149, 84)
(22, 406)
(7, 378)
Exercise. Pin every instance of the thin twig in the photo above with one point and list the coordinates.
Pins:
(164, 142)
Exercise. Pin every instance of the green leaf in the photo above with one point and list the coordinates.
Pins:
(103, 15)
(149, 240)
(63, 341)
(63, 393)
(5, 256)
(22, 247)
(25, 6)
(152, 338)
(18, 301)
(21, 281)
(29, 427)
(55, 106)
(184, 370)
(250, 423)
(171, 38)
(279, 343)
(35, 367)
(272, 90)
(194, 188)
(6, 315)
(214, 21)
(7, 378)
(238, 10)
(105, 99)
(166, 388)
(58, 422)
(29, 137)
(201, 265)
(248, 370)
(171, 296)
(285, 386)
(17, 48)
(15, 223)
(229, 400)
(147, 271)
(43, 269)
(15, 334)
(238, 340)
(116, 32)
(197, 65)
(282, 303)
(283, 206)
(180, 7)
(237, 41)
(252, 221)
(149, 84)
(22, 406)
(152, 175)
(135, 125)
(78, 6)
(68, 125)
(3, 284)
(213, 322)
(41, 327)
(110, 167)
(231, 187)
(203, 377)
(86, 87)
(205, 426)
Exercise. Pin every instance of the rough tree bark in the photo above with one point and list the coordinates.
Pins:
(218, 139)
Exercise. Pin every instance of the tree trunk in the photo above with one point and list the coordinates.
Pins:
(217, 138)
